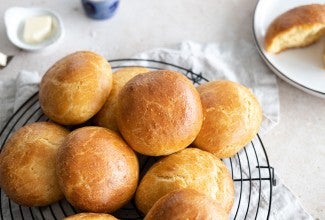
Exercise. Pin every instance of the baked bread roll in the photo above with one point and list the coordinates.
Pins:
(232, 117)
(159, 112)
(75, 88)
(298, 27)
(186, 204)
(91, 216)
(27, 164)
(189, 168)
(96, 170)
(106, 117)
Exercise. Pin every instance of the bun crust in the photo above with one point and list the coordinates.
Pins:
(189, 168)
(91, 216)
(27, 164)
(106, 117)
(186, 204)
(159, 112)
(232, 117)
(97, 171)
(75, 88)
(298, 27)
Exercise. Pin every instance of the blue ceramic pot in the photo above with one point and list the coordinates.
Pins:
(100, 9)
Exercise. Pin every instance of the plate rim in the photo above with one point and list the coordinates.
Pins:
(274, 68)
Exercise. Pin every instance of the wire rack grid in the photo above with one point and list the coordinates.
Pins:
(250, 169)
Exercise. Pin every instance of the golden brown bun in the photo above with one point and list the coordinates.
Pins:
(97, 171)
(106, 117)
(298, 27)
(27, 164)
(189, 168)
(91, 216)
(75, 88)
(232, 117)
(186, 204)
(159, 112)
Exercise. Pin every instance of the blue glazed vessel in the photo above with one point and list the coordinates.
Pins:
(100, 9)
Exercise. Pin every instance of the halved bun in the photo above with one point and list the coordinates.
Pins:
(298, 27)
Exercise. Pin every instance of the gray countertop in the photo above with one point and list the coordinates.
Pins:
(296, 146)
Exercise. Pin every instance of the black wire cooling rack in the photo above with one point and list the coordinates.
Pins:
(250, 169)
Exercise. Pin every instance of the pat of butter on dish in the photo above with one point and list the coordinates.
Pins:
(3, 59)
(37, 28)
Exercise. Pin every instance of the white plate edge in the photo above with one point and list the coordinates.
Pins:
(277, 71)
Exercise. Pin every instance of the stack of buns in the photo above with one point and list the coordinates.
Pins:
(131, 112)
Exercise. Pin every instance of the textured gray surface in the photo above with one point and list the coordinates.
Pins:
(295, 146)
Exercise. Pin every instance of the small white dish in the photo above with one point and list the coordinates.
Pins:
(14, 21)
(301, 67)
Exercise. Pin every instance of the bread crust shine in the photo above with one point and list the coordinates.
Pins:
(232, 117)
(106, 117)
(75, 88)
(96, 170)
(27, 164)
(189, 168)
(186, 204)
(90, 216)
(298, 27)
(159, 112)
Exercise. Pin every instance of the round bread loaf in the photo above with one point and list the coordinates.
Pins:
(27, 164)
(232, 117)
(106, 117)
(75, 88)
(159, 112)
(96, 170)
(189, 168)
(298, 27)
(91, 216)
(186, 204)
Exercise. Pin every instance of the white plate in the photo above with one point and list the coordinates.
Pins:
(14, 21)
(302, 67)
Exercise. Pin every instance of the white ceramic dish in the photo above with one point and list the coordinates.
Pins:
(14, 21)
(302, 67)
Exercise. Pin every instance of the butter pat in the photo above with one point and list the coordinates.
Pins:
(37, 28)
(3, 59)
